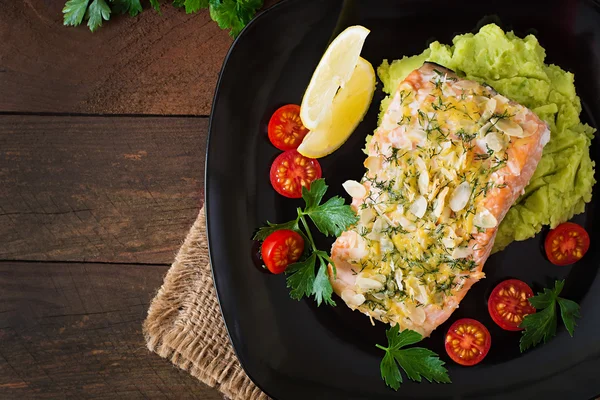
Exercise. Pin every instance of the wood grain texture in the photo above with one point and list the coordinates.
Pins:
(74, 331)
(98, 188)
(149, 64)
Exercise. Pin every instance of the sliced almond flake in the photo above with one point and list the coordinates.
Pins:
(440, 202)
(495, 141)
(466, 84)
(460, 196)
(368, 284)
(511, 128)
(416, 290)
(450, 175)
(379, 296)
(423, 181)
(380, 225)
(485, 219)
(490, 108)
(352, 299)
(448, 243)
(435, 186)
(500, 100)
(355, 189)
(373, 164)
(367, 215)
(398, 277)
(461, 252)
(418, 207)
(486, 127)
(406, 224)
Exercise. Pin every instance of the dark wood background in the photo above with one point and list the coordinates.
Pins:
(102, 142)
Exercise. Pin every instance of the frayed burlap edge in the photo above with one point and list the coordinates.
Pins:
(184, 323)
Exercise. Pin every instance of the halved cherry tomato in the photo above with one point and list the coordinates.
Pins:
(468, 341)
(280, 249)
(566, 244)
(285, 128)
(508, 304)
(291, 170)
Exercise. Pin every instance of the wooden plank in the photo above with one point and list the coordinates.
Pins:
(150, 64)
(74, 331)
(118, 189)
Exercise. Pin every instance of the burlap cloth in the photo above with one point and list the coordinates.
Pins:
(184, 323)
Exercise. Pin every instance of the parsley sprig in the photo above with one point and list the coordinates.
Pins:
(228, 14)
(416, 362)
(330, 218)
(541, 326)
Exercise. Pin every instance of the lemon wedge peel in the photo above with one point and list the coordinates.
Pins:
(332, 73)
(346, 111)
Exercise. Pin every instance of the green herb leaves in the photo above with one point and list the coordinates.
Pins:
(265, 231)
(76, 10)
(233, 15)
(192, 6)
(416, 362)
(541, 326)
(331, 218)
(96, 12)
(131, 7)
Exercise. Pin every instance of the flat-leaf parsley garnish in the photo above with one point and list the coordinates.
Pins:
(541, 326)
(416, 362)
(233, 15)
(308, 277)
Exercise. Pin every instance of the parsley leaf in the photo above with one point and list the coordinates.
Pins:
(569, 312)
(132, 7)
(96, 12)
(265, 231)
(538, 326)
(419, 362)
(416, 362)
(322, 289)
(333, 217)
(313, 197)
(541, 326)
(192, 6)
(547, 297)
(302, 277)
(233, 14)
(74, 11)
(390, 371)
(155, 5)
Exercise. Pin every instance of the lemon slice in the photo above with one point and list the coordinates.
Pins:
(347, 110)
(334, 70)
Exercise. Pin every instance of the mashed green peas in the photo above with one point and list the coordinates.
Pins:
(563, 180)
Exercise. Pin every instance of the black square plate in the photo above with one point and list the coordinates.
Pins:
(294, 350)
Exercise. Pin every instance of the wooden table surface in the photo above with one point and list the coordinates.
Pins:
(102, 143)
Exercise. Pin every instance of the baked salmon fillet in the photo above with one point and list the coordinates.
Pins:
(448, 160)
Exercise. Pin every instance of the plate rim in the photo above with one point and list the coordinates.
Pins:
(209, 242)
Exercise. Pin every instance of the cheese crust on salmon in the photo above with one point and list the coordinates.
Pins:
(448, 160)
